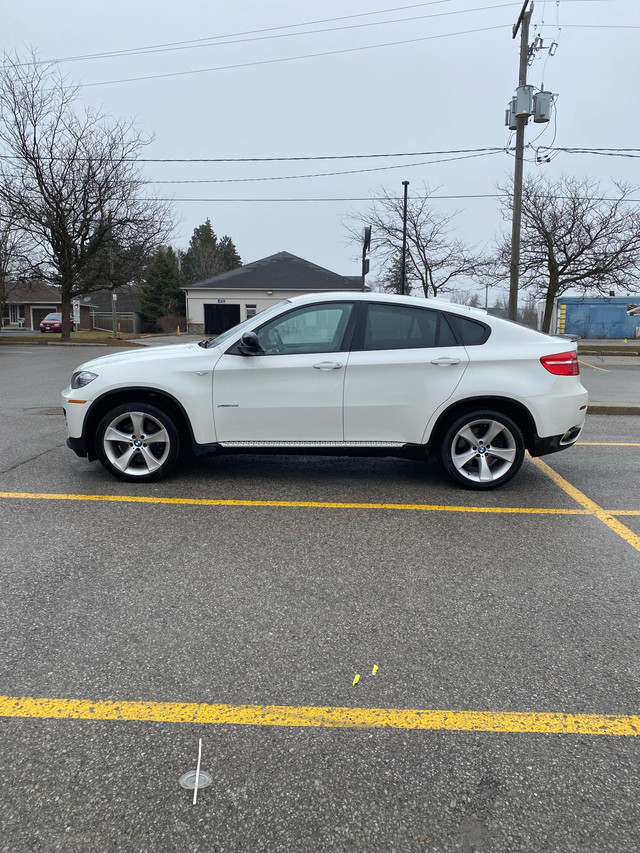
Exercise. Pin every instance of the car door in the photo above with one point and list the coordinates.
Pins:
(291, 392)
(404, 364)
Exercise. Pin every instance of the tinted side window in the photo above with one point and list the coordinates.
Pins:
(469, 332)
(404, 327)
(315, 328)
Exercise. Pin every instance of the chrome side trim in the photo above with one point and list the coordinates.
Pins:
(312, 443)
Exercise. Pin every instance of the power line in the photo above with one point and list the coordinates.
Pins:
(633, 153)
(318, 157)
(155, 47)
(322, 198)
(613, 152)
(289, 58)
(326, 174)
(363, 198)
(215, 41)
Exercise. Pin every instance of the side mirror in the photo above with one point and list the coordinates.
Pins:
(249, 344)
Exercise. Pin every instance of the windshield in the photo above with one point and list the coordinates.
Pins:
(230, 333)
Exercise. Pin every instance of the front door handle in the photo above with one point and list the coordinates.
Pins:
(444, 361)
(328, 365)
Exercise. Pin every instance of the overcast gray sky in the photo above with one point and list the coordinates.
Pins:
(284, 79)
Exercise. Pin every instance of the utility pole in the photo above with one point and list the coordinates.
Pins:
(522, 120)
(405, 184)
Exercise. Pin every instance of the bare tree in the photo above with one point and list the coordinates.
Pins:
(71, 184)
(466, 297)
(573, 238)
(435, 259)
(12, 260)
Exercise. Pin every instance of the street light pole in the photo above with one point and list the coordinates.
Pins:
(405, 184)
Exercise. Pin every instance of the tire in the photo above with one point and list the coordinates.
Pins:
(137, 442)
(482, 450)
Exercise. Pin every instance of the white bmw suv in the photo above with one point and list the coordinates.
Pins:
(340, 373)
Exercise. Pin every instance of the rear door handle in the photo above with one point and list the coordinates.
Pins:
(444, 361)
(328, 365)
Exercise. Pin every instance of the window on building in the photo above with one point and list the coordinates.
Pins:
(251, 311)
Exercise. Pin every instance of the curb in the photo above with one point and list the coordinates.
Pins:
(130, 344)
(617, 352)
(613, 409)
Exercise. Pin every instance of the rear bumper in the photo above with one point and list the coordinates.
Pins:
(78, 445)
(555, 443)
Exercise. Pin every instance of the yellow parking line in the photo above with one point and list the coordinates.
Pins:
(528, 722)
(593, 366)
(316, 504)
(579, 497)
(607, 444)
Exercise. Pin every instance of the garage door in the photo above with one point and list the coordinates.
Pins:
(39, 314)
(219, 318)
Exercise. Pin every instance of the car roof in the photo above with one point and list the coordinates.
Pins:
(389, 298)
(510, 332)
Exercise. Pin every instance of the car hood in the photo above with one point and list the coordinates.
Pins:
(146, 355)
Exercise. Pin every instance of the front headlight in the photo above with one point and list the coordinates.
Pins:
(82, 378)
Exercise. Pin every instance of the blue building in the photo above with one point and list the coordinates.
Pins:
(599, 316)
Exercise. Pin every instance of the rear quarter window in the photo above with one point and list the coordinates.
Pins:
(469, 332)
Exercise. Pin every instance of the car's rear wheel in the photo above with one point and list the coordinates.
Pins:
(137, 442)
(483, 449)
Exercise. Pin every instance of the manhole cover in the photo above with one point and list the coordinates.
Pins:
(188, 780)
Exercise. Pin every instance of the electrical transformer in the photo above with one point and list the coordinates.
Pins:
(542, 102)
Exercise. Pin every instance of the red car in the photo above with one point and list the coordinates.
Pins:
(53, 323)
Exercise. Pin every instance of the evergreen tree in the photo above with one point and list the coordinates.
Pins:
(207, 256)
(201, 261)
(229, 257)
(392, 276)
(161, 293)
(474, 301)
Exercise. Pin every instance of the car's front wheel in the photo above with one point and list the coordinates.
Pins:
(137, 442)
(483, 450)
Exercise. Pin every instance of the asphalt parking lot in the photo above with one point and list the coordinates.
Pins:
(238, 600)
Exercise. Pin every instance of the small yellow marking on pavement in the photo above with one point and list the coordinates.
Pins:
(607, 444)
(528, 722)
(302, 504)
(604, 515)
(588, 364)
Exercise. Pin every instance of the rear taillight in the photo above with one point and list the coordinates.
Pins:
(561, 363)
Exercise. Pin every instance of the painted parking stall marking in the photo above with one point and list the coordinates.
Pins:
(294, 504)
(605, 516)
(526, 722)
